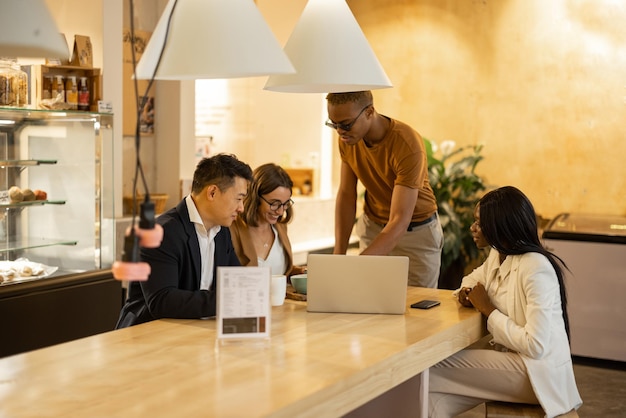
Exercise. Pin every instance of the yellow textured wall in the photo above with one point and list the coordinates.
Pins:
(542, 84)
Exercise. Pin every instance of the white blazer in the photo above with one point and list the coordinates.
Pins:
(530, 322)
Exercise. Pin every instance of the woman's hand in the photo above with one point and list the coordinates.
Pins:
(463, 299)
(480, 299)
(297, 270)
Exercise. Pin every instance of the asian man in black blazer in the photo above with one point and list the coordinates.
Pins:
(196, 240)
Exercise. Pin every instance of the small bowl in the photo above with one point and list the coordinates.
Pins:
(299, 283)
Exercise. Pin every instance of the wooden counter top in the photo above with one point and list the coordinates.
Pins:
(315, 364)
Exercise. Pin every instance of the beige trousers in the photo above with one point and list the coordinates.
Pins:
(422, 245)
(476, 375)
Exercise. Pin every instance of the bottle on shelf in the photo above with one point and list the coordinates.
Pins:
(71, 92)
(58, 89)
(83, 94)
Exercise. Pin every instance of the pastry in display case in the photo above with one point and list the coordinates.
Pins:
(57, 231)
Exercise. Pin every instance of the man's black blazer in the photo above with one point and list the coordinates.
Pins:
(173, 288)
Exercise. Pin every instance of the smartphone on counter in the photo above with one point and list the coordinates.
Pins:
(425, 304)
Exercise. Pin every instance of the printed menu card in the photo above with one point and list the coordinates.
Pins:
(243, 302)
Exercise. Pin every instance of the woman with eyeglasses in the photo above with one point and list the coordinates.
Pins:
(259, 234)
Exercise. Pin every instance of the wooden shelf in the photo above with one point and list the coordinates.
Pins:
(303, 180)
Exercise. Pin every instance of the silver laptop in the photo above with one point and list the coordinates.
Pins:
(357, 283)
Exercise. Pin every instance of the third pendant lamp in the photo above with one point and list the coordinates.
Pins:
(330, 53)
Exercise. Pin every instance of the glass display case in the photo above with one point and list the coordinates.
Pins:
(57, 231)
(56, 200)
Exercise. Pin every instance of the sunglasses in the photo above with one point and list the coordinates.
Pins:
(346, 126)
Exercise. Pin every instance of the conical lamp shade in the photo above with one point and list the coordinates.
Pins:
(28, 30)
(212, 39)
(330, 53)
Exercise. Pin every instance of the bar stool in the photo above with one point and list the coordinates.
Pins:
(496, 409)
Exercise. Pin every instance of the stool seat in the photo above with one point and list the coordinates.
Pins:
(496, 409)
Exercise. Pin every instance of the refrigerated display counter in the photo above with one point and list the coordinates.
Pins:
(594, 249)
(57, 235)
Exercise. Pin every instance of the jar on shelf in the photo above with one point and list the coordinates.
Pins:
(47, 87)
(13, 84)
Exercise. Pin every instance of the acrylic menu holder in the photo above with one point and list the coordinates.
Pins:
(243, 304)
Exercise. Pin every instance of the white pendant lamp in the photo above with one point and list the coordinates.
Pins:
(330, 53)
(28, 30)
(212, 39)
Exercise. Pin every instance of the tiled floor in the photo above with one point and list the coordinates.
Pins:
(602, 386)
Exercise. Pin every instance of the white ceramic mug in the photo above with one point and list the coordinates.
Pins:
(278, 289)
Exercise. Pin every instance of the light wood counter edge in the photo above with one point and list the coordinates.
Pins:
(335, 399)
(366, 385)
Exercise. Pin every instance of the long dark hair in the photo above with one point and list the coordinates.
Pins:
(266, 178)
(509, 224)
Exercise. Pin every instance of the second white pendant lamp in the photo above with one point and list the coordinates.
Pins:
(330, 53)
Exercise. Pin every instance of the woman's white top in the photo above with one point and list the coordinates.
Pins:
(276, 258)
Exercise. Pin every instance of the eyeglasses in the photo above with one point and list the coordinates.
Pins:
(346, 126)
(276, 204)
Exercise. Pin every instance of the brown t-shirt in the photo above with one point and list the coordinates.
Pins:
(399, 159)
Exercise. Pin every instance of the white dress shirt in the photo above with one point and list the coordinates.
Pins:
(207, 244)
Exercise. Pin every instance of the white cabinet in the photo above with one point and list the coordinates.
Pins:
(594, 249)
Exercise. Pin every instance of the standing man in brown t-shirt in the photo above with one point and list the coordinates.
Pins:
(400, 211)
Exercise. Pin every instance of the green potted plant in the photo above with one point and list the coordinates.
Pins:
(457, 188)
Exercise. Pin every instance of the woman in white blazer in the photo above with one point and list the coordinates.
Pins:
(520, 290)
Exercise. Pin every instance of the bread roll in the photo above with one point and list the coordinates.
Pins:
(15, 194)
(40, 195)
(28, 194)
